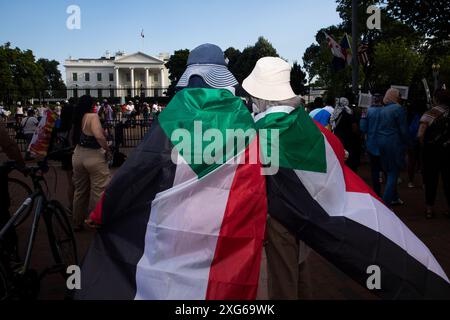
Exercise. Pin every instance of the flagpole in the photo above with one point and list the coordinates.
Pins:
(355, 36)
(143, 40)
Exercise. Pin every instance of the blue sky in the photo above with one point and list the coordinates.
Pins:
(168, 25)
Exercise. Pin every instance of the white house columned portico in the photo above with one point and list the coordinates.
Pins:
(121, 76)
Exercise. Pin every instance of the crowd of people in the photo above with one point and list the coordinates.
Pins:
(395, 138)
(388, 135)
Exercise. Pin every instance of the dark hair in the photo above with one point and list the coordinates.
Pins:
(84, 106)
(330, 101)
(442, 96)
(318, 102)
(66, 117)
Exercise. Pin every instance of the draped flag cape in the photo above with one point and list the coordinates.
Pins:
(173, 230)
(330, 208)
(176, 225)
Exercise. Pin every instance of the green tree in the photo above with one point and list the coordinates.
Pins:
(53, 83)
(176, 65)
(431, 18)
(298, 79)
(26, 75)
(246, 61)
(233, 56)
(395, 63)
(7, 86)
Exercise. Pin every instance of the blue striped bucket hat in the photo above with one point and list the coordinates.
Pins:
(208, 62)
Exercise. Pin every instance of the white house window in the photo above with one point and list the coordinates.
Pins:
(155, 78)
(86, 77)
(75, 76)
(99, 93)
(99, 77)
(128, 77)
(111, 77)
(88, 92)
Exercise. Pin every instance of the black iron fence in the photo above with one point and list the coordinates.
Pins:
(124, 132)
(112, 94)
(117, 94)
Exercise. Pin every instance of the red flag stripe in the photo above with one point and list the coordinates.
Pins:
(353, 182)
(240, 242)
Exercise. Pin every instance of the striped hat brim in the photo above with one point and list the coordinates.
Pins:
(214, 75)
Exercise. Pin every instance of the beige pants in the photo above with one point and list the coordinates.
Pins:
(287, 269)
(90, 178)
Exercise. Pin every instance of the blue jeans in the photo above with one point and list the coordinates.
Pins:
(390, 192)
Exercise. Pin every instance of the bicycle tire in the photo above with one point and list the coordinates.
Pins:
(61, 236)
(20, 191)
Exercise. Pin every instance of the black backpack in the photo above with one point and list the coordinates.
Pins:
(438, 133)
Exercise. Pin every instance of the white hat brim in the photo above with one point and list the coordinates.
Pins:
(268, 91)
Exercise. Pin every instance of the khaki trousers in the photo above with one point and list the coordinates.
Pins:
(287, 271)
(90, 178)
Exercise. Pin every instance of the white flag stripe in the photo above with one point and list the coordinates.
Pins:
(181, 239)
(329, 190)
(183, 172)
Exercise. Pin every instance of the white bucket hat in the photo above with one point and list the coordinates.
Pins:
(270, 80)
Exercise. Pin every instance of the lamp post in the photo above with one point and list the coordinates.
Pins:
(436, 68)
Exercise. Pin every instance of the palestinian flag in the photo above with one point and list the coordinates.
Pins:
(330, 208)
(175, 224)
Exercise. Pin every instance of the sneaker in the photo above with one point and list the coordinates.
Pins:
(411, 185)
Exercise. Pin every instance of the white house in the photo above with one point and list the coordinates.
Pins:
(124, 75)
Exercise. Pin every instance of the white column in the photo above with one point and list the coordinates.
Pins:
(117, 82)
(146, 82)
(132, 82)
(161, 81)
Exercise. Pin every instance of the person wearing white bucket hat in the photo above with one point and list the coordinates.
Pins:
(269, 85)
(288, 277)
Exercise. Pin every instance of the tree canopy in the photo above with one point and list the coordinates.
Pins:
(22, 77)
(240, 64)
(176, 65)
(402, 52)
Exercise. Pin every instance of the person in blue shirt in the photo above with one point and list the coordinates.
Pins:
(369, 126)
(323, 115)
(392, 137)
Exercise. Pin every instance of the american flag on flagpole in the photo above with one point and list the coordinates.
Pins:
(363, 55)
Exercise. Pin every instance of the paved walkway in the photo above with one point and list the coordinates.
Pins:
(327, 281)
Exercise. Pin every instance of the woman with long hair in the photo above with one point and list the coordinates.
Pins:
(90, 168)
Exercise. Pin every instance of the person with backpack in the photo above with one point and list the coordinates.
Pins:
(434, 135)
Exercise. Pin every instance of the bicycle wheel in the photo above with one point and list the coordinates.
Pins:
(61, 236)
(18, 192)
